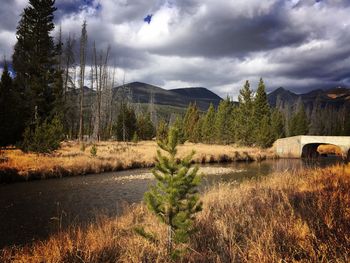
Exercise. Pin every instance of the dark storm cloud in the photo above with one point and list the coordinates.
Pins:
(297, 44)
(9, 15)
(222, 34)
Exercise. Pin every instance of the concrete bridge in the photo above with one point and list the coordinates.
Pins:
(306, 146)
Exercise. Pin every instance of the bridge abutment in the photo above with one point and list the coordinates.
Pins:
(306, 145)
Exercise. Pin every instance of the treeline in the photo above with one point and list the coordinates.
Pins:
(250, 122)
(316, 118)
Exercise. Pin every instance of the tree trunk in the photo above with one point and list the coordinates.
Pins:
(83, 41)
(170, 240)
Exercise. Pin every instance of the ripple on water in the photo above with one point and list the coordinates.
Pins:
(202, 170)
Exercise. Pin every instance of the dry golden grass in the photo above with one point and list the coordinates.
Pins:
(111, 156)
(302, 217)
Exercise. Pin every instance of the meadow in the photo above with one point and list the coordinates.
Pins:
(76, 159)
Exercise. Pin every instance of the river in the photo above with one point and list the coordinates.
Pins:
(34, 210)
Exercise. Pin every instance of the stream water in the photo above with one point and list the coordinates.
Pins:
(34, 210)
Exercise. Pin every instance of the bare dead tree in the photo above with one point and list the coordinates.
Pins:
(101, 65)
(83, 43)
(69, 62)
(111, 104)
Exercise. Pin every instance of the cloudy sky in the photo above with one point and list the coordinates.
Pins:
(298, 44)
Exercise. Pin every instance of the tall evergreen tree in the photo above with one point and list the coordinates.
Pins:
(223, 122)
(265, 137)
(174, 199)
(34, 59)
(244, 119)
(277, 124)
(197, 131)
(261, 105)
(190, 120)
(208, 136)
(263, 134)
(58, 89)
(10, 118)
(299, 124)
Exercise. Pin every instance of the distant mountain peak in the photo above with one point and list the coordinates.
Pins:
(198, 93)
(141, 92)
(280, 89)
(335, 97)
(281, 94)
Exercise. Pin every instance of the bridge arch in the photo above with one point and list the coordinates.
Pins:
(315, 150)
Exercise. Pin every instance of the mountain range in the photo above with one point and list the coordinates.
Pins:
(144, 93)
(181, 97)
(334, 97)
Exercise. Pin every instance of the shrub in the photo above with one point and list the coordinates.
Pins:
(135, 138)
(44, 138)
(162, 130)
(93, 151)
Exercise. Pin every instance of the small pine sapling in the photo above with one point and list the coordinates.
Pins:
(93, 151)
(135, 138)
(174, 199)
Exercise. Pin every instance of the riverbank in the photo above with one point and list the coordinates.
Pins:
(73, 159)
(286, 217)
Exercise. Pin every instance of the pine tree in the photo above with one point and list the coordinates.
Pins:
(145, 128)
(265, 137)
(10, 118)
(44, 138)
(58, 89)
(244, 119)
(178, 124)
(208, 124)
(197, 131)
(190, 120)
(263, 134)
(162, 130)
(174, 199)
(261, 104)
(277, 124)
(223, 122)
(126, 123)
(34, 59)
(299, 124)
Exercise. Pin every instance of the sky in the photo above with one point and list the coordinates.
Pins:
(300, 45)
